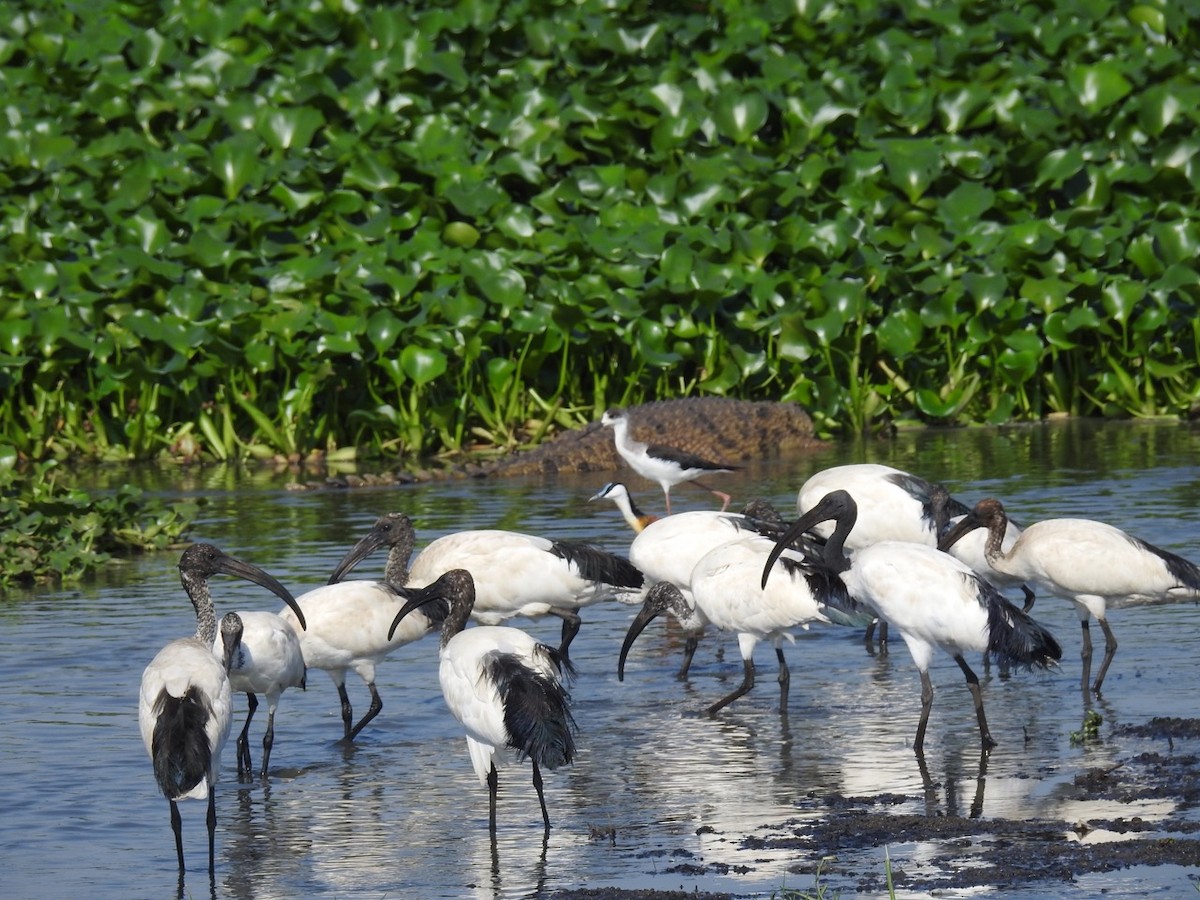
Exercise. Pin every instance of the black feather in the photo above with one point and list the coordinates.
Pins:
(537, 711)
(599, 565)
(1185, 572)
(1014, 637)
(179, 746)
(687, 460)
(922, 490)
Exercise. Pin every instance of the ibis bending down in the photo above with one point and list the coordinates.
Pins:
(725, 586)
(515, 574)
(932, 599)
(502, 685)
(185, 707)
(668, 549)
(263, 657)
(348, 621)
(666, 465)
(1094, 565)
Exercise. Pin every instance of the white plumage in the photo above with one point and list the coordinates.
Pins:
(1095, 565)
(504, 687)
(668, 549)
(264, 657)
(185, 703)
(348, 621)
(933, 599)
(726, 588)
(668, 466)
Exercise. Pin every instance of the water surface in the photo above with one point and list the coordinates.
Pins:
(658, 797)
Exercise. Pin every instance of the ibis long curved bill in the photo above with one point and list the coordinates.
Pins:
(834, 505)
(228, 565)
(662, 597)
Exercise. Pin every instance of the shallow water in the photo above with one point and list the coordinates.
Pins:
(658, 797)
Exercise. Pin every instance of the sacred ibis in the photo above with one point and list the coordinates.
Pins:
(666, 465)
(185, 705)
(515, 574)
(262, 653)
(1095, 565)
(932, 599)
(348, 620)
(726, 586)
(504, 687)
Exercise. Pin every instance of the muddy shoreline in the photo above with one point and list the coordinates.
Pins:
(1157, 760)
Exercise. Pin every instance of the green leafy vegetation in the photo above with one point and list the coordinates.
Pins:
(1089, 731)
(49, 531)
(237, 230)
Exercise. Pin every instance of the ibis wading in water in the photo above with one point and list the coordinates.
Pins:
(668, 549)
(348, 620)
(932, 599)
(666, 465)
(726, 586)
(515, 574)
(185, 707)
(1094, 565)
(264, 657)
(502, 685)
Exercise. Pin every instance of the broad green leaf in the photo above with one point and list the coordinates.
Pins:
(422, 364)
(912, 164)
(1098, 86)
(288, 128)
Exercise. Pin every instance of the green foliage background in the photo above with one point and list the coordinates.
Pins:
(281, 227)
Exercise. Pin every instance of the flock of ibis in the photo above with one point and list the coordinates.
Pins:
(871, 546)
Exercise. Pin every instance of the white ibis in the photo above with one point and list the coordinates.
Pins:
(515, 574)
(668, 549)
(726, 586)
(263, 655)
(666, 465)
(893, 505)
(185, 706)
(504, 687)
(348, 621)
(932, 599)
(1095, 565)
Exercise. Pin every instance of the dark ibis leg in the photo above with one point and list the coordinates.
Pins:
(493, 782)
(1030, 596)
(537, 784)
(785, 678)
(372, 711)
(570, 628)
(1086, 655)
(689, 650)
(244, 766)
(347, 711)
(743, 688)
(177, 827)
(268, 741)
(211, 820)
(1110, 650)
(926, 705)
(973, 686)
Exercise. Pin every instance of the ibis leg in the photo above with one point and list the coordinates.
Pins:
(211, 821)
(243, 743)
(372, 712)
(985, 735)
(926, 705)
(177, 827)
(570, 628)
(268, 741)
(347, 711)
(1086, 654)
(743, 688)
(493, 782)
(785, 678)
(537, 784)
(689, 650)
(1110, 650)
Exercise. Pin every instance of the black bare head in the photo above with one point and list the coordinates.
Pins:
(453, 592)
(391, 530)
(662, 597)
(987, 513)
(200, 562)
(836, 505)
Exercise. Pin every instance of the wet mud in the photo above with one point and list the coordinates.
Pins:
(977, 852)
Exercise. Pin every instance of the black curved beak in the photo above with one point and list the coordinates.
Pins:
(417, 597)
(965, 526)
(368, 544)
(230, 566)
(791, 535)
(647, 614)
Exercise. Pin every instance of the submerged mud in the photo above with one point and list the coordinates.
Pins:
(977, 852)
